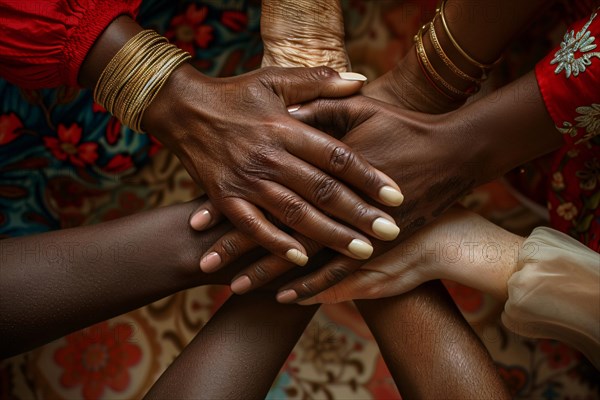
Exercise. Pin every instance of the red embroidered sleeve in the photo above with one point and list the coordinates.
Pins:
(569, 80)
(44, 43)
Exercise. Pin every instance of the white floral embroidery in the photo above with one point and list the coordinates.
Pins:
(582, 42)
(568, 211)
(589, 119)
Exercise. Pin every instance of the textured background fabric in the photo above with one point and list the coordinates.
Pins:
(43, 186)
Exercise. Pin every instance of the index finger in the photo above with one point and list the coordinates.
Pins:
(339, 160)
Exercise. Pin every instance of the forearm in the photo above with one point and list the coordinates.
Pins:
(506, 129)
(481, 29)
(429, 348)
(238, 354)
(57, 282)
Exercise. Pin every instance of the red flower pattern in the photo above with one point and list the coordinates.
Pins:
(559, 354)
(98, 357)
(188, 29)
(119, 163)
(113, 130)
(67, 146)
(234, 20)
(10, 125)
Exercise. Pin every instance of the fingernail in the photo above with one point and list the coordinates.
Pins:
(386, 229)
(391, 196)
(241, 285)
(353, 76)
(200, 220)
(210, 263)
(293, 108)
(287, 296)
(360, 249)
(297, 257)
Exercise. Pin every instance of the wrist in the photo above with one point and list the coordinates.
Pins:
(406, 86)
(112, 39)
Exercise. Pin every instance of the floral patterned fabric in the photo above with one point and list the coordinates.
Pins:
(65, 162)
(569, 79)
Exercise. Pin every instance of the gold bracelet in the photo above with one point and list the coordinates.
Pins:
(121, 55)
(429, 67)
(442, 54)
(152, 88)
(136, 78)
(130, 64)
(484, 67)
(135, 75)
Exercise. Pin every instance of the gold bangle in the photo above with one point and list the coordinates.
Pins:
(429, 67)
(484, 67)
(135, 75)
(442, 54)
(151, 89)
(112, 65)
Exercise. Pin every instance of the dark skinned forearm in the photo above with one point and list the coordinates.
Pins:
(57, 282)
(431, 357)
(239, 352)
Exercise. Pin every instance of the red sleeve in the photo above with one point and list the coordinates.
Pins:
(569, 80)
(44, 43)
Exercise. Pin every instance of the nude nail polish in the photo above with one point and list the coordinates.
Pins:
(200, 220)
(391, 196)
(297, 257)
(353, 76)
(287, 296)
(210, 263)
(386, 229)
(241, 285)
(360, 249)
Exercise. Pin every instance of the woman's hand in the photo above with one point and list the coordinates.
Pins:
(420, 149)
(460, 246)
(236, 139)
(303, 33)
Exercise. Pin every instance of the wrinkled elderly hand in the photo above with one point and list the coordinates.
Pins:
(304, 33)
(237, 140)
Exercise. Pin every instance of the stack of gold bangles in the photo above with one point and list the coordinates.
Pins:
(433, 76)
(135, 75)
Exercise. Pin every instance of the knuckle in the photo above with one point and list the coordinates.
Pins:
(326, 190)
(260, 274)
(360, 212)
(306, 289)
(294, 211)
(370, 179)
(340, 159)
(249, 223)
(322, 73)
(335, 274)
(230, 247)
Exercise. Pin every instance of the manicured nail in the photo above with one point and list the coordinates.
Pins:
(241, 285)
(297, 257)
(360, 249)
(210, 263)
(353, 76)
(200, 220)
(386, 229)
(391, 196)
(287, 296)
(293, 108)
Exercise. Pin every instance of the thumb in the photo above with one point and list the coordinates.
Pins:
(299, 85)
